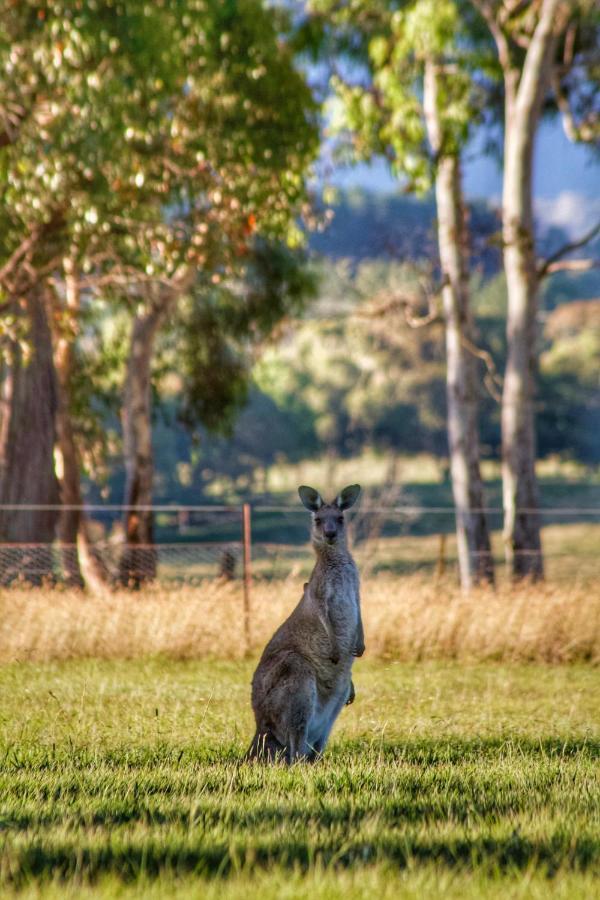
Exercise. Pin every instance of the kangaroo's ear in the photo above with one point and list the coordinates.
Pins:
(348, 497)
(311, 499)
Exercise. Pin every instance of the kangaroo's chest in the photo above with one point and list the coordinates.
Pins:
(341, 593)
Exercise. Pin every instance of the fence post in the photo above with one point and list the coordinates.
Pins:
(247, 537)
(441, 560)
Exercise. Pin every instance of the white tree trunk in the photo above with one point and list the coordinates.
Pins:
(66, 451)
(519, 487)
(473, 539)
(524, 98)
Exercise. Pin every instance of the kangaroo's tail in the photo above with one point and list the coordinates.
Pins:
(265, 748)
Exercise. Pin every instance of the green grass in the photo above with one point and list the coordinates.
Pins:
(123, 779)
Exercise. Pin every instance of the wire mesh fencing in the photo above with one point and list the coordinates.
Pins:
(237, 544)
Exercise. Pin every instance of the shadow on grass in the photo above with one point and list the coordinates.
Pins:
(129, 862)
(351, 818)
(427, 751)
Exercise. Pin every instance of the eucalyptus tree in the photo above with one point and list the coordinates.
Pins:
(547, 52)
(71, 75)
(145, 147)
(241, 133)
(409, 95)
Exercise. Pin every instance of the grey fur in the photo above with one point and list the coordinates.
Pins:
(303, 678)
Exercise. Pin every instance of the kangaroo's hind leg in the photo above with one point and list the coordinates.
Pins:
(301, 710)
(284, 704)
(265, 748)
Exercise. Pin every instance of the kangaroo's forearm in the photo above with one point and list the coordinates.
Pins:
(359, 646)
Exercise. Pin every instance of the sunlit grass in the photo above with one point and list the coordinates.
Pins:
(124, 779)
(376, 468)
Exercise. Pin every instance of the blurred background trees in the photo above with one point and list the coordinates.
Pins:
(150, 151)
(539, 46)
(161, 239)
(411, 97)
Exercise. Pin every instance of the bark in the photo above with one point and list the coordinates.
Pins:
(524, 98)
(138, 560)
(97, 573)
(81, 561)
(472, 533)
(27, 431)
(67, 453)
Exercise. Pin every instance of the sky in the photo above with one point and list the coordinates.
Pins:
(566, 180)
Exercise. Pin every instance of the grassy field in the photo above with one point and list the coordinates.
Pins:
(123, 778)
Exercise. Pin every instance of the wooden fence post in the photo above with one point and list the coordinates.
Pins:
(441, 560)
(247, 537)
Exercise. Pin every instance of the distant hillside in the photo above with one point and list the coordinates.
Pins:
(334, 385)
(368, 225)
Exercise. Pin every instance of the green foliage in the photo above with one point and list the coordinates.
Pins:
(344, 384)
(569, 422)
(366, 381)
(95, 388)
(208, 342)
(146, 141)
(341, 383)
(124, 778)
(264, 433)
(378, 107)
(125, 111)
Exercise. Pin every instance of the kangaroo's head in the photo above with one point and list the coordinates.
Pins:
(328, 526)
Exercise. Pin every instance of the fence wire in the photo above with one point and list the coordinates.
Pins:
(195, 543)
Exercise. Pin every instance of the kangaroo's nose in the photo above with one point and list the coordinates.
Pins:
(329, 532)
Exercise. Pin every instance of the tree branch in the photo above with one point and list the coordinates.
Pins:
(19, 254)
(533, 81)
(492, 379)
(569, 48)
(13, 115)
(573, 265)
(123, 278)
(406, 304)
(487, 11)
(548, 266)
(510, 10)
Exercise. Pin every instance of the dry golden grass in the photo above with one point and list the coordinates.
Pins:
(407, 618)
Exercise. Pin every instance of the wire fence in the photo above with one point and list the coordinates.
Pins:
(240, 543)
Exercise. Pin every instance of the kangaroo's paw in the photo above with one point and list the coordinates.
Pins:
(351, 695)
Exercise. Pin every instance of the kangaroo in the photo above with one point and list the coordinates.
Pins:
(303, 678)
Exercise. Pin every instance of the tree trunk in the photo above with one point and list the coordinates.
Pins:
(519, 487)
(138, 560)
(27, 475)
(473, 538)
(97, 572)
(67, 453)
(524, 98)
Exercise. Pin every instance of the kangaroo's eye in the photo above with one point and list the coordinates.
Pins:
(340, 520)
(317, 521)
